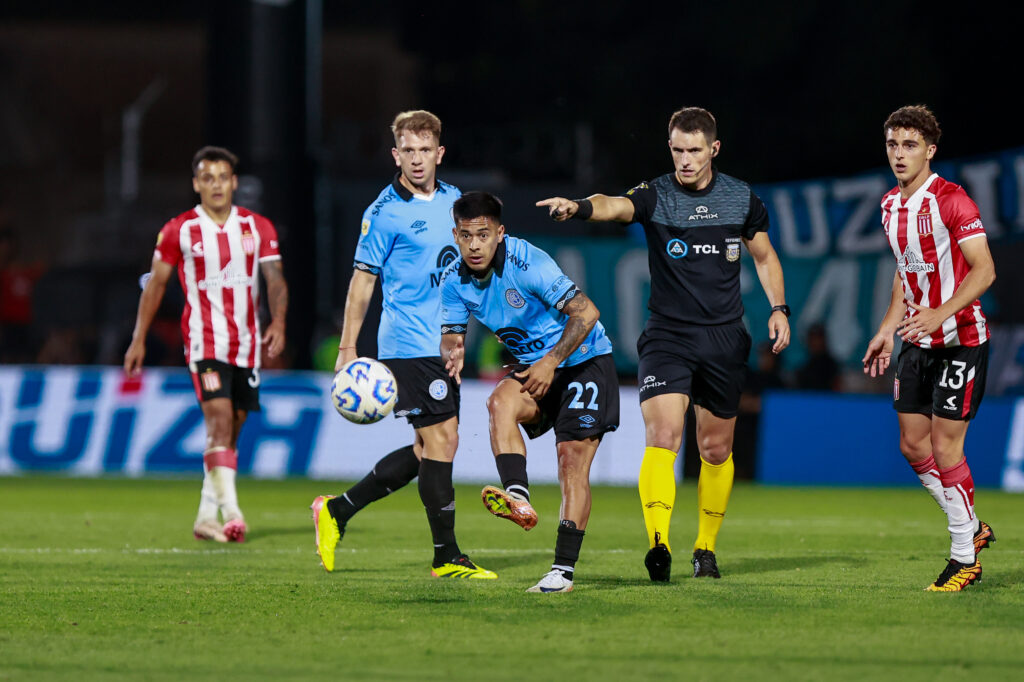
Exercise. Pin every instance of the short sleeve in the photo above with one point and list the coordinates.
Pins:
(454, 313)
(546, 281)
(960, 215)
(757, 217)
(375, 242)
(269, 248)
(168, 244)
(645, 199)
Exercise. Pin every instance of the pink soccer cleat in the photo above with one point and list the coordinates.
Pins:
(234, 530)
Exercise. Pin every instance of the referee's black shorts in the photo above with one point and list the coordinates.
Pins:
(706, 363)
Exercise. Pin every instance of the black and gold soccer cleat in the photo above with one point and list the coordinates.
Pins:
(984, 537)
(956, 576)
(704, 564)
(462, 567)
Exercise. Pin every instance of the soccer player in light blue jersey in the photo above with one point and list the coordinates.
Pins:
(406, 241)
(566, 379)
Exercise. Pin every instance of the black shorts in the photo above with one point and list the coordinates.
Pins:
(583, 401)
(945, 382)
(216, 379)
(707, 363)
(426, 394)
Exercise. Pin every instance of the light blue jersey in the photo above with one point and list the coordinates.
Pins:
(407, 242)
(521, 301)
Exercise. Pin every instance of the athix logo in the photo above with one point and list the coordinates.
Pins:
(651, 381)
(911, 262)
(703, 213)
(197, 248)
(950, 403)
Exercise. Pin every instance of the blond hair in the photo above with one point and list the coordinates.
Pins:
(417, 121)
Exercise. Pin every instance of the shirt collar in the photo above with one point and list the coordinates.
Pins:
(497, 263)
(402, 191)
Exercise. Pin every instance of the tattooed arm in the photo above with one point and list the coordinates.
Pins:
(277, 301)
(583, 315)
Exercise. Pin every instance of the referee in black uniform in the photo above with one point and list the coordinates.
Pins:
(695, 345)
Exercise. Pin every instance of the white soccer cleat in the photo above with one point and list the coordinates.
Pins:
(553, 581)
(209, 530)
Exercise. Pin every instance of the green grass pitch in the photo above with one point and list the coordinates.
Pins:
(101, 579)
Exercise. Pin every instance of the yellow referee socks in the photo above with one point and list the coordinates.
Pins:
(713, 490)
(658, 492)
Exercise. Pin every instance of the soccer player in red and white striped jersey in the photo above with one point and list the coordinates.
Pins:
(943, 267)
(216, 248)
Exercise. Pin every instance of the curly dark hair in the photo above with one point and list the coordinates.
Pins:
(916, 117)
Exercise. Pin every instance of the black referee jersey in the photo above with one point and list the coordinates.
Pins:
(693, 244)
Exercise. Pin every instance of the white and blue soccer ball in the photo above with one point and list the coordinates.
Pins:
(364, 391)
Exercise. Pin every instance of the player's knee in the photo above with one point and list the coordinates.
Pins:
(915, 449)
(500, 406)
(668, 436)
(715, 450)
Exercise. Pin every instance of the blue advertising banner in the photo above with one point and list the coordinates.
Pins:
(832, 439)
(837, 264)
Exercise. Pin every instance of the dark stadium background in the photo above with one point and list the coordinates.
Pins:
(537, 98)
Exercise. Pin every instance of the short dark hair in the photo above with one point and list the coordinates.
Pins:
(477, 205)
(692, 120)
(915, 117)
(210, 153)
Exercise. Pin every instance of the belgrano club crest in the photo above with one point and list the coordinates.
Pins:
(924, 223)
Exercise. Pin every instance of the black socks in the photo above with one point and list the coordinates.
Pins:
(438, 497)
(392, 472)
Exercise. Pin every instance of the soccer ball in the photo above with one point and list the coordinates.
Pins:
(364, 391)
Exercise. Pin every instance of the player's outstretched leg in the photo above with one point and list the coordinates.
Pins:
(956, 576)
(508, 505)
(393, 471)
(657, 487)
(328, 532)
(983, 537)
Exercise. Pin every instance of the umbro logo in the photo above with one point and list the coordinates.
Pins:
(418, 226)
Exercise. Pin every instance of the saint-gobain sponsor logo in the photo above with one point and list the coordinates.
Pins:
(911, 262)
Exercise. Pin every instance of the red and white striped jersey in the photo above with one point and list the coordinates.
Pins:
(218, 269)
(925, 232)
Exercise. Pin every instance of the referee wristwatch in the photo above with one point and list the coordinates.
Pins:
(784, 309)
